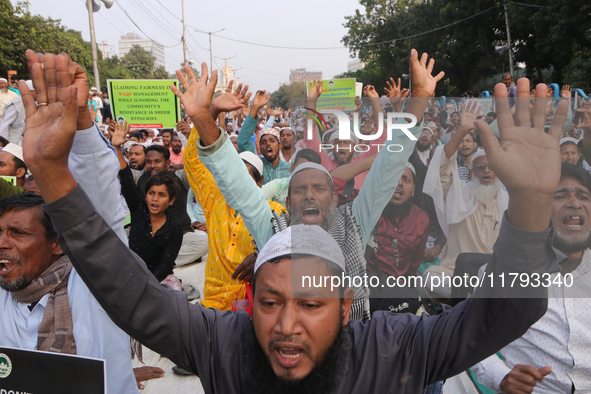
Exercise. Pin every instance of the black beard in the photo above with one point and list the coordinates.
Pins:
(260, 378)
(176, 152)
(394, 210)
(422, 148)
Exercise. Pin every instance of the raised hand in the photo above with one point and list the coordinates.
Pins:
(198, 93)
(423, 81)
(315, 89)
(370, 91)
(526, 160)
(276, 112)
(50, 127)
(120, 134)
(470, 111)
(396, 94)
(230, 101)
(184, 128)
(566, 91)
(261, 99)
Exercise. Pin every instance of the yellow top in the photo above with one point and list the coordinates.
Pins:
(228, 239)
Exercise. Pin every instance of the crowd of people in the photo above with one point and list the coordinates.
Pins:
(95, 217)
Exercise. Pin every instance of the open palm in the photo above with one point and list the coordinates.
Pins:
(424, 82)
(50, 129)
(526, 160)
(198, 93)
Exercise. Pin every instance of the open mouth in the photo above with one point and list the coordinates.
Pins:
(573, 222)
(289, 357)
(154, 207)
(310, 214)
(6, 266)
(398, 193)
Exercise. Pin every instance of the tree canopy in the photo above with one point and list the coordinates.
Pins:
(546, 35)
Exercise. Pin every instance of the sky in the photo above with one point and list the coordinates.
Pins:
(305, 23)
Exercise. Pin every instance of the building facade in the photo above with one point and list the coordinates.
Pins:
(131, 39)
(303, 75)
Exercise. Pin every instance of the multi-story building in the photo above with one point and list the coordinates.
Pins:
(302, 75)
(131, 39)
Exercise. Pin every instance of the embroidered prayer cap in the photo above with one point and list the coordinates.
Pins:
(270, 131)
(15, 150)
(253, 160)
(479, 152)
(302, 239)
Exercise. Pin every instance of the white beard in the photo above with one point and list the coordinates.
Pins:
(486, 194)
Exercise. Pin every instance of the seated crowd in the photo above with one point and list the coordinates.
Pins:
(258, 198)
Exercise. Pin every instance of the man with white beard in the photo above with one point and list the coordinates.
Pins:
(469, 213)
(6, 95)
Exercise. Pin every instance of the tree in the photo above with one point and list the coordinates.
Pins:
(139, 62)
(20, 30)
(556, 36)
(283, 96)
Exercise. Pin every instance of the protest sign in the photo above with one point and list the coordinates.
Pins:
(336, 94)
(30, 371)
(144, 103)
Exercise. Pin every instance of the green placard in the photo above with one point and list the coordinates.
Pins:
(338, 93)
(144, 103)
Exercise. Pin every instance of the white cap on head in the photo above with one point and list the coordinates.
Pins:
(93, 88)
(411, 168)
(479, 152)
(568, 139)
(310, 166)
(30, 85)
(14, 150)
(253, 160)
(3, 80)
(302, 239)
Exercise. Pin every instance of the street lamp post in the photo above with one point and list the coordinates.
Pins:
(97, 81)
(94, 6)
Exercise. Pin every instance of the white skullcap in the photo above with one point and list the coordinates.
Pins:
(411, 168)
(568, 139)
(302, 239)
(3, 80)
(93, 88)
(14, 150)
(310, 166)
(479, 152)
(30, 85)
(253, 160)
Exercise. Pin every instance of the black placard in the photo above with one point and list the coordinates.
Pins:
(28, 371)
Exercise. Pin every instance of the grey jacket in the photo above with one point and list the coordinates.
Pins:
(394, 353)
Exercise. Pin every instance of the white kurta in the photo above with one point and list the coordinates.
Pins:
(470, 225)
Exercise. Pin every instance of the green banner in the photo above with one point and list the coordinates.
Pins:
(337, 93)
(145, 103)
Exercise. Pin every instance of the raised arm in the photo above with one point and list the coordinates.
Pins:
(220, 157)
(470, 111)
(351, 170)
(382, 179)
(158, 317)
